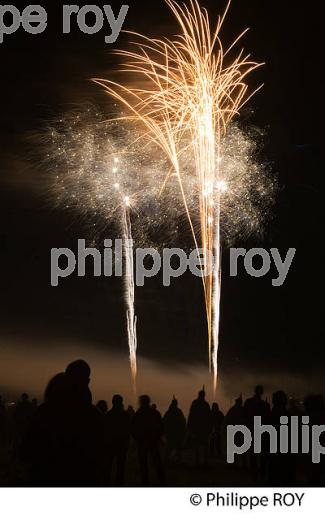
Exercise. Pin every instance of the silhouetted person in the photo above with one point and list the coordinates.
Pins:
(119, 429)
(279, 402)
(235, 414)
(65, 445)
(200, 427)
(3, 421)
(175, 430)
(78, 374)
(256, 407)
(130, 410)
(315, 410)
(147, 429)
(217, 418)
(234, 417)
(41, 448)
(22, 417)
(281, 465)
(102, 407)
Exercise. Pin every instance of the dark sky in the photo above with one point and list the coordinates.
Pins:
(261, 326)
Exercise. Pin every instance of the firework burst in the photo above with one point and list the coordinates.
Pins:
(193, 90)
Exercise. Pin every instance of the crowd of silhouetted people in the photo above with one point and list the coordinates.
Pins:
(69, 441)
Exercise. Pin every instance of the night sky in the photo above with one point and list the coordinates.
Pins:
(262, 328)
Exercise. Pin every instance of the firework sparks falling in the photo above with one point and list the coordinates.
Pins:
(191, 98)
(129, 284)
(95, 174)
(129, 294)
(83, 177)
(125, 204)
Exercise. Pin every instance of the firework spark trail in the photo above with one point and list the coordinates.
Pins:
(95, 175)
(191, 99)
(125, 202)
(129, 291)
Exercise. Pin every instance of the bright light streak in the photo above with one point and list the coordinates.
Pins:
(130, 293)
(191, 89)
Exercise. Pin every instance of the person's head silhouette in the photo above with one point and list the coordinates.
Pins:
(78, 378)
(102, 406)
(79, 371)
(201, 395)
(259, 390)
(117, 402)
(144, 401)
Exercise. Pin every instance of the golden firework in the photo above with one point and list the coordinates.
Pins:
(185, 92)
